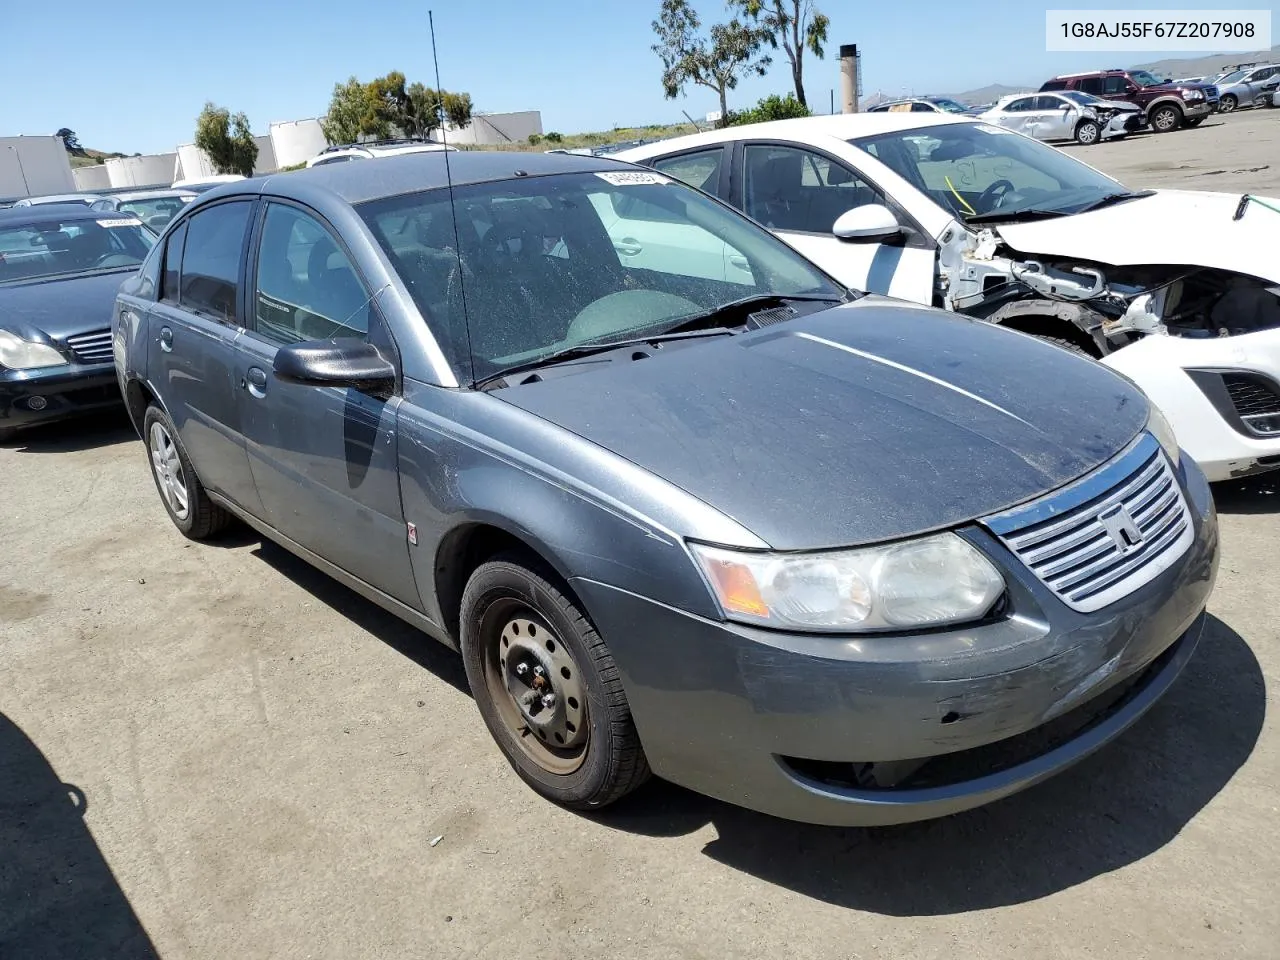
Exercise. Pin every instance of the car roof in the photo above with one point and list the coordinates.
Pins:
(839, 126)
(49, 213)
(413, 172)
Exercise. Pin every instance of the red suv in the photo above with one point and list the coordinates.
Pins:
(1166, 105)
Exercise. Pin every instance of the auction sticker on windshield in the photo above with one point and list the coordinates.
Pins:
(628, 178)
(120, 222)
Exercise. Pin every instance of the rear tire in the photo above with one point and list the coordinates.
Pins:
(1165, 119)
(1088, 132)
(523, 639)
(184, 497)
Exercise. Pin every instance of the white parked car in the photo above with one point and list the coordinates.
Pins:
(372, 149)
(1178, 290)
(1066, 115)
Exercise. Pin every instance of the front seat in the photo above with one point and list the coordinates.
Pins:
(773, 189)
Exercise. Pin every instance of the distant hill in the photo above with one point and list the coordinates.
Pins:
(1205, 66)
(87, 157)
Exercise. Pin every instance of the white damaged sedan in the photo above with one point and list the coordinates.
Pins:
(1178, 290)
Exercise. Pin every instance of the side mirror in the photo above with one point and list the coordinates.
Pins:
(869, 223)
(335, 363)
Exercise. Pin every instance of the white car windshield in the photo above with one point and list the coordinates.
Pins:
(519, 270)
(983, 172)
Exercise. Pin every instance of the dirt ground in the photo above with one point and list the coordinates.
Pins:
(216, 752)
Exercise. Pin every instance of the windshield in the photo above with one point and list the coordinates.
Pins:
(975, 169)
(538, 265)
(51, 248)
(155, 212)
(1231, 77)
(948, 106)
(1144, 79)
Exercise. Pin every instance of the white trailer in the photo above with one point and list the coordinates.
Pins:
(33, 167)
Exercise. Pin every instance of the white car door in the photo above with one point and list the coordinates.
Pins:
(1014, 115)
(1057, 117)
(799, 193)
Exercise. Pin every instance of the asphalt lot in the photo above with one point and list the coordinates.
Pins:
(212, 751)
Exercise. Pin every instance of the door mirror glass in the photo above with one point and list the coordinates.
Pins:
(870, 223)
(335, 363)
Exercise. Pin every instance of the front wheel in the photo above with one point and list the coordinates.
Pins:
(547, 686)
(1088, 132)
(1165, 119)
(1065, 344)
(1228, 103)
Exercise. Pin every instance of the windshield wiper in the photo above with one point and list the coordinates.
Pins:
(1113, 198)
(587, 349)
(1013, 216)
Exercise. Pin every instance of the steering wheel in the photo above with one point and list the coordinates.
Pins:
(993, 195)
(498, 242)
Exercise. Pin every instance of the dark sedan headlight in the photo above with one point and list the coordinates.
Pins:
(928, 582)
(19, 354)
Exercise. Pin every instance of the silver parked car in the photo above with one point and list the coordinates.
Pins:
(1067, 115)
(1252, 87)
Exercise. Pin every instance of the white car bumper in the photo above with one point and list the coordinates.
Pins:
(1223, 430)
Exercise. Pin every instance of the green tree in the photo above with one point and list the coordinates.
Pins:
(70, 140)
(226, 140)
(389, 106)
(716, 60)
(795, 25)
(457, 108)
(772, 107)
(535, 139)
(348, 112)
(554, 137)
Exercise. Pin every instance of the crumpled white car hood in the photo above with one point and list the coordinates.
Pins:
(1176, 227)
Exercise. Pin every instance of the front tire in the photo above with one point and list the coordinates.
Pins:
(1088, 133)
(547, 687)
(184, 497)
(1228, 103)
(1065, 344)
(1166, 119)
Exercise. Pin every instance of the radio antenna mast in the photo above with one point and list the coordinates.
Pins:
(453, 209)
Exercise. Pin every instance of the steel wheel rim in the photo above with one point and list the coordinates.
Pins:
(167, 467)
(525, 661)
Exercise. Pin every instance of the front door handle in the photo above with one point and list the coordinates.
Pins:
(628, 247)
(166, 339)
(255, 381)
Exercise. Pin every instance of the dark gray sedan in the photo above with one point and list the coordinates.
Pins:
(684, 505)
(60, 267)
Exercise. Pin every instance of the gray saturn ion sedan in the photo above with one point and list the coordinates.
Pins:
(683, 504)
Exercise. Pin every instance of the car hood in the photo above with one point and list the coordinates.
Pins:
(1174, 227)
(61, 307)
(863, 423)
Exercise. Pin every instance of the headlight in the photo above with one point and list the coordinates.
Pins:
(19, 354)
(1192, 95)
(918, 583)
(1159, 428)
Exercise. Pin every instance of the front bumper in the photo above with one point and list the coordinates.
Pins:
(767, 720)
(1199, 108)
(32, 397)
(1169, 370)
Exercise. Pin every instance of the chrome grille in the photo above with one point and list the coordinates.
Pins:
(1105, 536)
(91, 347)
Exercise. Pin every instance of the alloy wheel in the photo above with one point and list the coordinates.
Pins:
(167, 466)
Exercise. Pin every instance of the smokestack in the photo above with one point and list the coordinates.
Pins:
(849, 77)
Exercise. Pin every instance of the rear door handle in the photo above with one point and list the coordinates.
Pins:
(166, 339)
(255, 381)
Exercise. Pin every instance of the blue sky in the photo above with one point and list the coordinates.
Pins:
(132, 74)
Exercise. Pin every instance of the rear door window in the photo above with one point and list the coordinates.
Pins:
(211, 260)
(701, 169)
(1090, 85)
